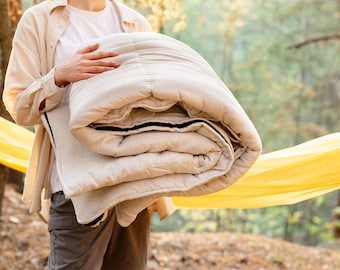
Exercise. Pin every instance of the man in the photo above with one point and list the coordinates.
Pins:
(46, 58)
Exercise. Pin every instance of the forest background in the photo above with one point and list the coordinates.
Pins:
(280, 58)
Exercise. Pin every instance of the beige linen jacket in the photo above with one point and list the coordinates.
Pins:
(30, 81)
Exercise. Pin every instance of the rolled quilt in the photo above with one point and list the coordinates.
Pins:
(162, 124)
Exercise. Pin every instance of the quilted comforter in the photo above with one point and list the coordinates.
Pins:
(162, 124)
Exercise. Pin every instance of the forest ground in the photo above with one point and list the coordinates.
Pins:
(24, 246)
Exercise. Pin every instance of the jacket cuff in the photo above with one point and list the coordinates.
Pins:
(53, 95)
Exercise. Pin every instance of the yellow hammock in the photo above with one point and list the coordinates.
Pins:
(282, 177)
(15, 145)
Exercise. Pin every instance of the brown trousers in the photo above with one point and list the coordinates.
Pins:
(105, 247)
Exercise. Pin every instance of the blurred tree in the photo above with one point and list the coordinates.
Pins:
(161, 12)
(5, 45)
(15, 12)
(291, 95)
(11, 11)
(3, 180)
(337, 219)
(5, 41)
(323, 96)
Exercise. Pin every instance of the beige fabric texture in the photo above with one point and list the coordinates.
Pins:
(162, 124)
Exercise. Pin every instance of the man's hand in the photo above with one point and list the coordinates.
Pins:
(83, 65)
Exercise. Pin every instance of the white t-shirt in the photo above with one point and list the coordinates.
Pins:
(83, 26)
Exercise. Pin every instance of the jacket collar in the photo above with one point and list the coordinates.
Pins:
(58, 3)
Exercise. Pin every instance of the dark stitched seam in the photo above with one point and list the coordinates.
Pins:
(158, 124)
(49, 125)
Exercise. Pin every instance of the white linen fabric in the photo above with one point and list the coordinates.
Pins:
(162, 124)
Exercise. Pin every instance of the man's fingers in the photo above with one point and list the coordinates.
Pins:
(89, 49)
(101, 55)
(107, 64)
(101, 63)
(100, 69)
(89, 52)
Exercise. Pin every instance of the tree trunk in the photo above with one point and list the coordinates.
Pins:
(3, 179)
(14, 12)
(337, 219)
(5, 38)
(5, 49)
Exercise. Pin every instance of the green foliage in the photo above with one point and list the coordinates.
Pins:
(337, 210)
(292, 95)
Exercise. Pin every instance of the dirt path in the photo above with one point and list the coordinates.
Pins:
(24, 246)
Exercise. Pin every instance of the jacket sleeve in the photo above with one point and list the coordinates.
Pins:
(29, 88)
